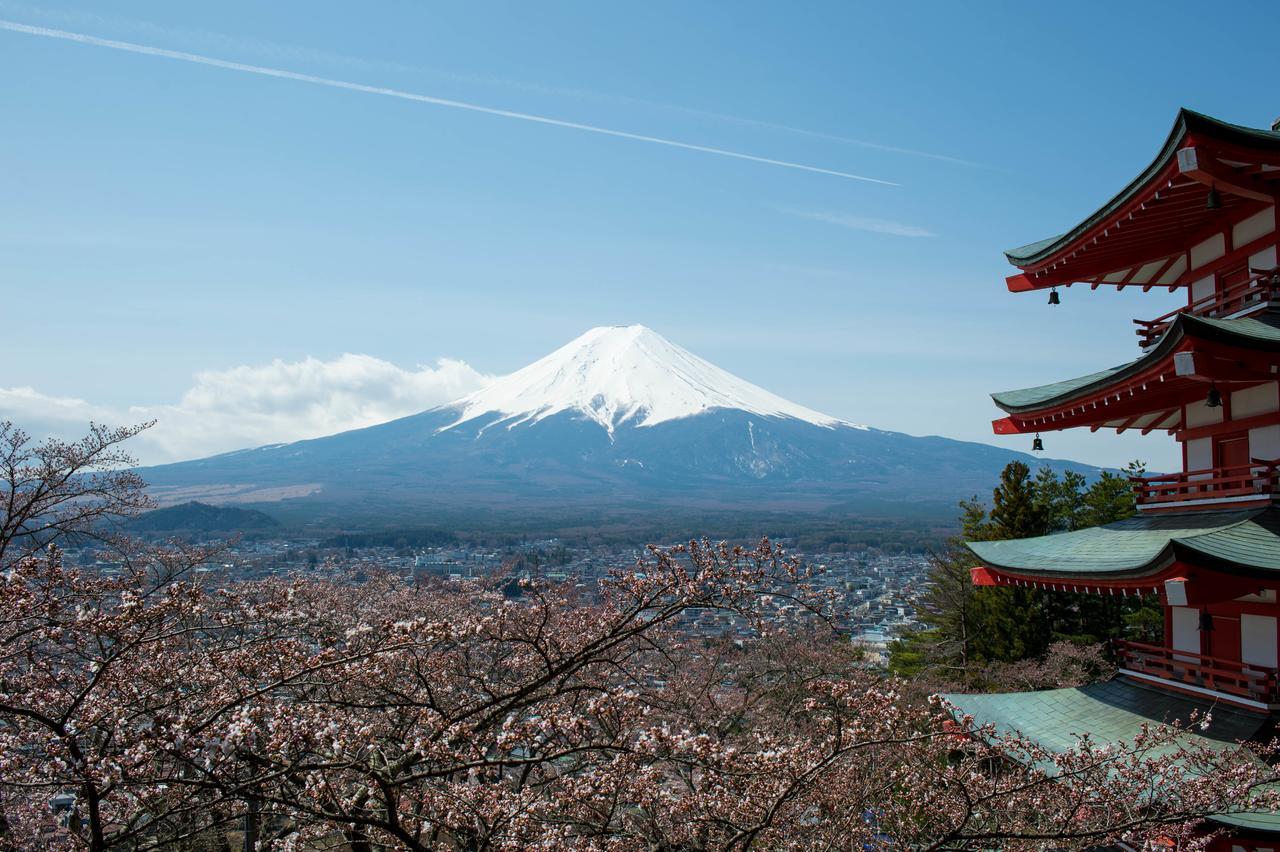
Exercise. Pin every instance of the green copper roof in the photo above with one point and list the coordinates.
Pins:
(1239, 541)
(1037, 396)
(1261, 328)
(1113, 712)
(1187, 122)
(1260, 332)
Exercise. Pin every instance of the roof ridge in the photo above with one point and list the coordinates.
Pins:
(1185, 121)
(1214, 530)
(1261, 331)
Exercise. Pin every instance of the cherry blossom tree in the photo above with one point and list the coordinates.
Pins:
(57, 488)
(147, 708)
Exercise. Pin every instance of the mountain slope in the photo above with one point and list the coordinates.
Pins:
(619, 419)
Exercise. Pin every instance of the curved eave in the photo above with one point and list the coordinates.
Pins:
(1138, 552)
(1084, 557)
(1188, 127)
(1261, 333)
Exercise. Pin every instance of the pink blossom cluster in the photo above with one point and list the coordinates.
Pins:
(145, 709)
(157, 710)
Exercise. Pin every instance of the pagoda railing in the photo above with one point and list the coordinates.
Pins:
(1230, 677)
(1260, 290)
(1260, 478)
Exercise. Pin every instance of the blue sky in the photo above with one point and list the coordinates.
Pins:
(163, 221)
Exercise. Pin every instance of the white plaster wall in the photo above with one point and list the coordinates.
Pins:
(1262, 222)
(1258, 639)
(1199, 454)
(1186, 629)
(1144, 274)
(1173, 273)
(1203, 288)
(1264, 442)
(1211, 249)
(1198, 414)
(1261, 399)
(1265, 259)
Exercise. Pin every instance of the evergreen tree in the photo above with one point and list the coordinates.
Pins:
(967, 626)
(1017, 511)
(1061, 500)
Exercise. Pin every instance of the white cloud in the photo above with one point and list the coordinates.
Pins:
(863, 223)
(253, 405)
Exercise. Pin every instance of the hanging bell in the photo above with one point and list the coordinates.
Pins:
(1053, 297)
(1214, 399)
(1037, 445)
(1213, 201)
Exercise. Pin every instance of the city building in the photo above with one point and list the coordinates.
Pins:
(1206, 539)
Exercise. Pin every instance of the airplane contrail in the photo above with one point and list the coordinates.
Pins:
(146, 50)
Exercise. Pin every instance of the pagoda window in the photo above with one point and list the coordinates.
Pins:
(1258, 640)
(1199, 454)
(1185, 633)
(1233, 278)
(1232, 450)
(1233, 275)
(1258, 402)
(1224, 639)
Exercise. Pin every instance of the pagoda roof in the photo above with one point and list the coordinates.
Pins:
(1260, 333)
(1115, 711)
(1239, 542)
(1188, 122)
(1237, 160)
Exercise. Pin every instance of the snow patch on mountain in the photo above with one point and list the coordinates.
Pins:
(617, 375)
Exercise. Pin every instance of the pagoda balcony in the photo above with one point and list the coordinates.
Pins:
(1258, 292)
(1247, 683)
(1256, 482)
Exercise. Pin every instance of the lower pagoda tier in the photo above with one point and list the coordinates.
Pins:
(1215, 574)
(1236, 551)
(1115, 711)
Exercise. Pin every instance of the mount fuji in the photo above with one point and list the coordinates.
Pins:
(617, 423)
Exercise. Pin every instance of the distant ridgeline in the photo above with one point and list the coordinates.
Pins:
(201, 517)
(618, 428)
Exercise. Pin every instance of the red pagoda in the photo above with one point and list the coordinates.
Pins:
(1205, 540)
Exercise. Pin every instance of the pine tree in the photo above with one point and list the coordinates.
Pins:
(966, 626)
(1017, 510)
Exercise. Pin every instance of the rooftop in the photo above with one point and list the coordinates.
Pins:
(1260, 332)
(1238, 542)
(1128, 240)
(1115, 711)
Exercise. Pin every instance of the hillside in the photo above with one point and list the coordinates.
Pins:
(194, 516)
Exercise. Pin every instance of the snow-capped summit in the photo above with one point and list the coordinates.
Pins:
(624, 374)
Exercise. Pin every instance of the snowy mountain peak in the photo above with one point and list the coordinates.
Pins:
(624, 374)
